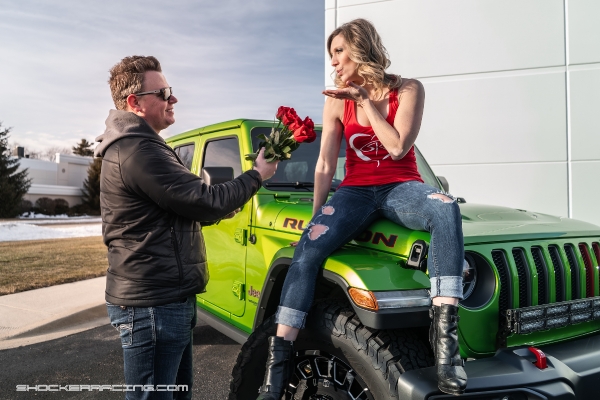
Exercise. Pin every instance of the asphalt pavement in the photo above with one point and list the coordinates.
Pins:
(61, 335)
(94, 357)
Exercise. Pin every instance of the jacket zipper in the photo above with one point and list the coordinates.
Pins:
(176, 248)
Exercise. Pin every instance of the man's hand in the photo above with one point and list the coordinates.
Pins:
(232, 214)
(264, 168)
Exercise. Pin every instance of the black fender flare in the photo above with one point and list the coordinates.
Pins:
(397, 318)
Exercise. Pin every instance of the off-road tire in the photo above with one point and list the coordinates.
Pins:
(378, 357)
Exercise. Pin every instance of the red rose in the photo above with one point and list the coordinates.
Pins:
(281, 111)
(311, 135)
(309, 123)
(295, 123)
(286, 119)
(304, 134)
(289, 116)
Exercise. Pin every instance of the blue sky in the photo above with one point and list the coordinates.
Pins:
(224, 59)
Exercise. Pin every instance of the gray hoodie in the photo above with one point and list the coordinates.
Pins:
(120, 124)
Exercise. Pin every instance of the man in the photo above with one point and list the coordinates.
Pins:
(151, 205)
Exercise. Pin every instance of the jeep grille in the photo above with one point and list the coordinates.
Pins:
(565, 272)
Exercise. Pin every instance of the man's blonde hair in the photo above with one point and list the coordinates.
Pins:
(366, 49)
(127, 76)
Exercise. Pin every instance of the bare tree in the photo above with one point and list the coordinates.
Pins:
(36, 155)
(50, 153)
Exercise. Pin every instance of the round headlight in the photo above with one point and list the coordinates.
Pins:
(469, 278)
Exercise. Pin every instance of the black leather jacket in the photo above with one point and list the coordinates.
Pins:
(151, 207)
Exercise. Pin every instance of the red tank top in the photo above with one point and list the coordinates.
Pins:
(367, 162)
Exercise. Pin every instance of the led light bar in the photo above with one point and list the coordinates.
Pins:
(554, 315)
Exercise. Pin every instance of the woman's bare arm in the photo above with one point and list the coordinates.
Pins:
(331, 139)
(399, 138)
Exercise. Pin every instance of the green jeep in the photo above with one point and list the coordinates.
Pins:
(530, 279)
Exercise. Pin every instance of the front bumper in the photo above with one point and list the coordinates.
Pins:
(573, 373)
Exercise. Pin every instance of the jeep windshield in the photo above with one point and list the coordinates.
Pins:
(297, 173)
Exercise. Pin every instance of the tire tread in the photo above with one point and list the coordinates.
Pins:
(389, 352)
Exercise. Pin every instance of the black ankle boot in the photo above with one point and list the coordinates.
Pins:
(443, 338)
(280, 364)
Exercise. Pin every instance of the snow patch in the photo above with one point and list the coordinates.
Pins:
(67, 221)
(17, 231)
(32, 215)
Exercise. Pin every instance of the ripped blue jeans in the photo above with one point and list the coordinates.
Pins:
(349, 212)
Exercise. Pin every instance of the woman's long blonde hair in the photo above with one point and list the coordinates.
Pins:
(366, 49)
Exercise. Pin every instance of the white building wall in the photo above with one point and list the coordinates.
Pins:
(512, 109)
(61, 179)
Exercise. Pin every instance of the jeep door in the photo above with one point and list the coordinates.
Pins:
(225, 241)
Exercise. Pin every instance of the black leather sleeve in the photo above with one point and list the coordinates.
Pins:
(153, 171)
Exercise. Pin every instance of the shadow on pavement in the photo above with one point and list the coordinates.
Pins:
(94, 357)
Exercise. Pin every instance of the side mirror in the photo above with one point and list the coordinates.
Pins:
(444, 182)
(216, 175)
(446, 186)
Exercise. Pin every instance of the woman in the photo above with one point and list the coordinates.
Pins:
(379, 116)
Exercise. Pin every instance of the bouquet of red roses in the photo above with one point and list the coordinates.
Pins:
(286, 136)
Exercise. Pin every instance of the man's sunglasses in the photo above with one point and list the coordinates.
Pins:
(165, 93)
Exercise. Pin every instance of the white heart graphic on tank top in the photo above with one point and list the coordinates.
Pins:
(369, 146)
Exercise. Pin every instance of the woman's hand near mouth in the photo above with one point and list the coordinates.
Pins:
(353, 92)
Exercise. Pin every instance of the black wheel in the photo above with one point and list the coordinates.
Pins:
(323, 376)
(337, 358)
(249, 369)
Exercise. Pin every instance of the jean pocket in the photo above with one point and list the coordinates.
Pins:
(126, 333)
(122, 320)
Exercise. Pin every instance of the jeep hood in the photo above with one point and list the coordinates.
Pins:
(481, 223)
(494, 223)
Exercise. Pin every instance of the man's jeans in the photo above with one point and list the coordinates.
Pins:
(349, 212)
(157, 347)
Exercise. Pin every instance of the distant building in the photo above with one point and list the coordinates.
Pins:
(62, 178)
